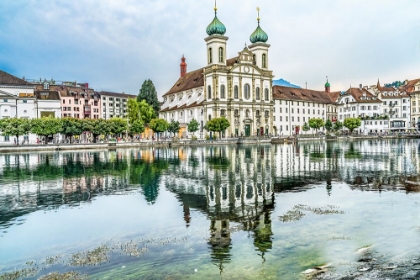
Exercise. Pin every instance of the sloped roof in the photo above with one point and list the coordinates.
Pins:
(47, 95)
(300, 94)
(8, 79)
(188, 81)
(409, 87)
(185, 106)
(360, 94)
(116, 94)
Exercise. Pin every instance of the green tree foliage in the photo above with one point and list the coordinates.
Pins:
(305, 127)
(149, 94)
(158, 125)
(217, 125)
(193, 126)
(117, 126)
(146, 112)
(136, 127)
(316, 123)
(133, 110)
(174, 127)
(71, 127)
(328, 125)
(46, 126)
(15, 127)
(139, 110)
(338, 125)
(352, 123)
(97, 127)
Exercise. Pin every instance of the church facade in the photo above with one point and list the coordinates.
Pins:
(239, 88)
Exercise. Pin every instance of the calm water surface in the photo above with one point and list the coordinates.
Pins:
(230, 212)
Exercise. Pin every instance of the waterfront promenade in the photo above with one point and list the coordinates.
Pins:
(184, 142)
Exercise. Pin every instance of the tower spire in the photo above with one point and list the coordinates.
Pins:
(258, 18)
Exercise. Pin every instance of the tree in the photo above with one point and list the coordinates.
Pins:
(352, 123)
(338, 125)
(149, 94)
(15, 127)
(97, 127)
(146, 112)
(117, 126)
(158, 125)
(316, 123)
(328, 125)
(174, 127)
(71, 127)
(305, 127)
(136, 127)
(46, 126)
(193, 126)
(217, 125)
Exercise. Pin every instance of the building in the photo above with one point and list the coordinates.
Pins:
(239, 88)
(114, 105)
(295, 106)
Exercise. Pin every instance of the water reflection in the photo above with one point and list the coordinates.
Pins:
(234, 187)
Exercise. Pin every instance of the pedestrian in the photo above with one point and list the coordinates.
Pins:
(14, 140)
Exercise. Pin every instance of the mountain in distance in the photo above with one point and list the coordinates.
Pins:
(284, 83)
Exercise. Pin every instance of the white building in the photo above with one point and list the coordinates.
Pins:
(238, 89)
(113, 104)
(295, 106)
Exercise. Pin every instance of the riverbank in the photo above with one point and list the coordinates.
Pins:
(178, 143)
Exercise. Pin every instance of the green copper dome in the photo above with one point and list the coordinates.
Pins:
(259, 36)
(216, 26)
(327, 84)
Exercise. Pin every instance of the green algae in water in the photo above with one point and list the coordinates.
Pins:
(94, 257)
(72, 275)
(298, 212)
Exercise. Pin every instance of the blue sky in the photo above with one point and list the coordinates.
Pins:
(116, 45)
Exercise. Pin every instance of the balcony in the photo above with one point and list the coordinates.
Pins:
(87, 110)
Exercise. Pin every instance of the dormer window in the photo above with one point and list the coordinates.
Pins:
(46, 86)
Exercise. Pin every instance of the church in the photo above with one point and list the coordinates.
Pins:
(238, 88)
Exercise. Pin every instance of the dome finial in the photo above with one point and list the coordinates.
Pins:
(258, 18)
(215, 6)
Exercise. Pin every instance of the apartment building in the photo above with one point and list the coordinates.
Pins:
(113, 104)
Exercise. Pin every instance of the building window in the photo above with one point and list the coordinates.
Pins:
(5, 100)
(209, 92)
(236, 112)
(46, 86)
(266, 94)
(257, 93)
(246, 91)
(264, 61)
(6, 138)
(25, 101)
(266, 113)
(222, 91)
(210, 57)
(220, 54)
(223, 112)
(236, 92)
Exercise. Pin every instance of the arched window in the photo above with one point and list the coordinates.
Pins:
(254, 59)
(236, 92)
(264, 61)
(221, 54)
(210, 56)
(209, 92)
(257, 93)
(209, 117)
(236, 112)
(222, 91)
(257, 113)
(247, 91)
(223, 112)
(266, 94)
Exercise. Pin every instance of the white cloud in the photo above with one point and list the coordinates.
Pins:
(116, 45)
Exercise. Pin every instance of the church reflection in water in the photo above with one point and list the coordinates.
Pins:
(234, 186)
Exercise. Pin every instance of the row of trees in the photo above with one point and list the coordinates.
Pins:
(317, 123)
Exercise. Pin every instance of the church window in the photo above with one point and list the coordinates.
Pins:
(258, 113)
(221, 54)
(264, 61)
(247, 113)
(210, 56)
(191, 112)
(257, 93)
(223, 112)
(254, 59)
(236, 112)
(236, 92)
(222, 91)
(266, 114)
(209, 92)
(209, 117)
(266, 94)
(246, 91)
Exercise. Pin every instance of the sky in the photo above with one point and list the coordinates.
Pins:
(117, 45)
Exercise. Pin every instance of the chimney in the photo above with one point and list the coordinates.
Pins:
(183, 66)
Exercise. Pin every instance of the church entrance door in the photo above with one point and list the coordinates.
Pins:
(247, 130)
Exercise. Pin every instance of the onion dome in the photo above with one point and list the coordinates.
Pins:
(258, 36)
(216, 26)
(327, 84)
